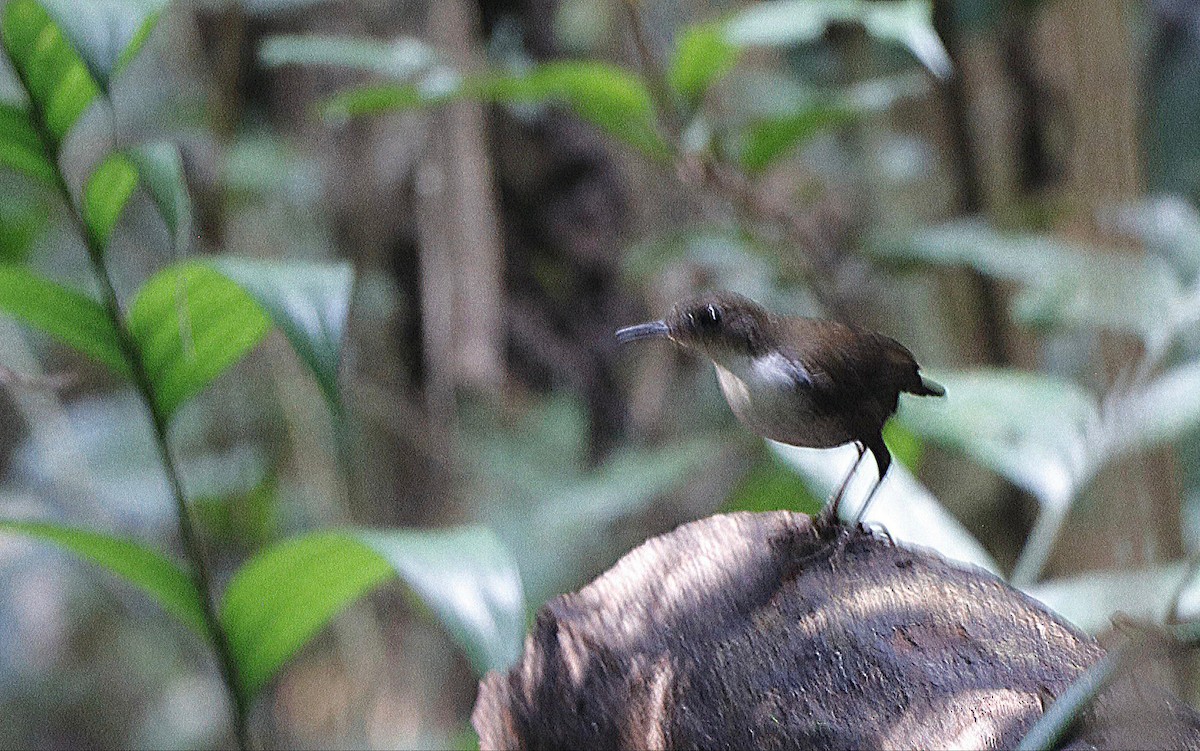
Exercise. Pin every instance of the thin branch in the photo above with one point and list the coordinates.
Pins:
(656, 78)
(193, 549)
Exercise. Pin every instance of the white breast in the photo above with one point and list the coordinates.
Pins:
(766, 394)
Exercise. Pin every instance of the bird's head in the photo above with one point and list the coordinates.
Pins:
(718, 324)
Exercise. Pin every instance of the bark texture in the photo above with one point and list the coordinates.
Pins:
(762, 631)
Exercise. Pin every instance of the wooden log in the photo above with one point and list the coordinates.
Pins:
(762, 631)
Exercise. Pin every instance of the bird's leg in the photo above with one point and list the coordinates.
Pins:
(883, 460)
(831, 511)
(862, 510)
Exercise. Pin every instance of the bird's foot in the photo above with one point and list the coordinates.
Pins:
(876, 529)
(826, 521)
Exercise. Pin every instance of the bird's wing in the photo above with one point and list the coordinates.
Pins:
(847, 364)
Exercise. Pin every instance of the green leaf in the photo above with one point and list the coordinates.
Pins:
(908, 23)
(609, 97)
(1030, 428)
(378, 98)
(192, 324)
(146, 569)
(21, 148)
(399, 59)
(1063, 283)
(53, 74)
(1042, 433)
(69, 316)
(309, 302)
(467, 577)
(136, 42)
(1091, 600)
(770, 138)
(160, 168)
(1165, 409)
(105, 195)
(108, 34)
(612, 98)
(702, 57)
(283, 597)
(22, 219)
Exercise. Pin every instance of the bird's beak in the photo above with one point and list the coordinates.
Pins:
(652, 330)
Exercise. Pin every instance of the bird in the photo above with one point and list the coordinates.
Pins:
(801, 381)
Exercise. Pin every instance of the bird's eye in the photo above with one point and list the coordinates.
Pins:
(713, 314)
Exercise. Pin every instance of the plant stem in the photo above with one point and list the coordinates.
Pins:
(132, 353)
(192, 548)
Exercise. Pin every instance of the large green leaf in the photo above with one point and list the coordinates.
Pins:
(702, 56)
(108, 33)
(192, 324)
(20, 146)
(309, 302)
(147, 569)
(908, 23)
(52, 72)
(283, 597)
(160, 168)
(22, 219)
(399, 59)
(1044, 434)
(1062, 282)
(706, 52)
(612, 98)
(769, 138)
(1028, 427)
(105, 195)
(69, 316)
(1165, 409)
(1091, 600)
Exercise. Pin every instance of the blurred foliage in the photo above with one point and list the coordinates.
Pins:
(111, 184)
(183, 328)
(533, 486)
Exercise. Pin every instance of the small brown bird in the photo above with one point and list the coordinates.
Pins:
(802, 381)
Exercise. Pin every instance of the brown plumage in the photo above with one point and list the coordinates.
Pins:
(802, 381)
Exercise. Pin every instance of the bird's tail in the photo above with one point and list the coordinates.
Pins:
(929, 387)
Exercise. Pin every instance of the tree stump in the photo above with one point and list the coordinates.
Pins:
(765, 631)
